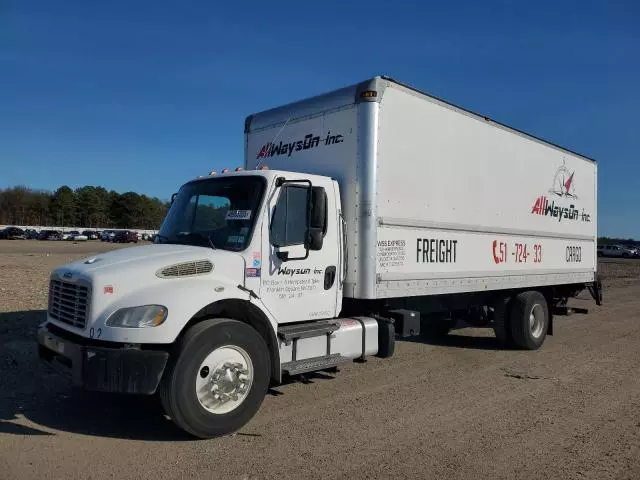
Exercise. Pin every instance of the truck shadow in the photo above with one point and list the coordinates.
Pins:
(37, 401)
(462, 337)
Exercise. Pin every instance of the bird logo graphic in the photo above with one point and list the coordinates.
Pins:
(563, 182)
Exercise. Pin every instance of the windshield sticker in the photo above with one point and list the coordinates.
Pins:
(238, 215)
(252, 272)
(257, 259)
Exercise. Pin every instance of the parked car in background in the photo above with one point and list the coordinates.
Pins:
(90, 234)
(12, 233)
(49, 235)
(107, 235)
(30, 234)
(619, 251)
(126, 236)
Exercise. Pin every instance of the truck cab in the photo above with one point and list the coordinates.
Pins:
(244, 253)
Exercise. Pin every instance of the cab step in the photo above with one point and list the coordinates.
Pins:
(314, 364)
(288, 333)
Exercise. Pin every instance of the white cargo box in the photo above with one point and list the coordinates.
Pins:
(436, 199)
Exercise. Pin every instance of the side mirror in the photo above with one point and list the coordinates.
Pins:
(317, 218)
(173, 197)
(315, 240)
(318, 210)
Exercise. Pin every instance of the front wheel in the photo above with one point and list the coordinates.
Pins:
(219, 379)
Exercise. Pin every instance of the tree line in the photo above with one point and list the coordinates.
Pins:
(629, 242)
(87, 206)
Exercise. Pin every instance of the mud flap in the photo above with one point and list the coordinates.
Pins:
(595, 289)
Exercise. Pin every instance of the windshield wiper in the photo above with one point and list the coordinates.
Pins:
(198, 235)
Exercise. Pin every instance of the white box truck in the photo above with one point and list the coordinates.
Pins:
(369, 213)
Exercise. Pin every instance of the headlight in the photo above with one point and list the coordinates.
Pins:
(138, 317)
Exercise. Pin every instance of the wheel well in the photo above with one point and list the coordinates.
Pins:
(248, 313)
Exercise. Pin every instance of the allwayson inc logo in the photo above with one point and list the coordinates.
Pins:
(308, 142)
(564, 188)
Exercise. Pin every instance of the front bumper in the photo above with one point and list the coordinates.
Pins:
(102, 368)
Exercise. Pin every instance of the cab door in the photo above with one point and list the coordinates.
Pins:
(300, 281)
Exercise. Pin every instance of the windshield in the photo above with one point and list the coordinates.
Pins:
(217, 212)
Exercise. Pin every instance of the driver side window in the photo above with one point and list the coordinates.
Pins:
(289, 223)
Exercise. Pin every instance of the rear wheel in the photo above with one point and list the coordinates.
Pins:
(529, 319)
(501, 321)
(219, 379)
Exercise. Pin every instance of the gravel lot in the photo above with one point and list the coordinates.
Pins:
(461, 409)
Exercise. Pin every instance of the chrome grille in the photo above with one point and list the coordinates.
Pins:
(69, 303)
(186, 269)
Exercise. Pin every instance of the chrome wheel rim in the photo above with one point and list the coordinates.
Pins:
(536, 320)
(224, 379)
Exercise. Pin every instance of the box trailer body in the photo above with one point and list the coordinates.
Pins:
(436, 199)
(362, 215)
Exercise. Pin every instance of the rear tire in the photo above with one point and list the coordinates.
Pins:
(501, 321)
(202, 368)
(529, 318)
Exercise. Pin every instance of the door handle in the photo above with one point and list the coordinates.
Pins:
(329, 277)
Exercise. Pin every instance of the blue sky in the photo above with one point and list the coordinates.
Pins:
(137, 95)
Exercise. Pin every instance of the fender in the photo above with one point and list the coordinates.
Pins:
(252, 312)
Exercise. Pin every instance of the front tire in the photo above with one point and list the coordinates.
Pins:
(529, 320)
(218, 380)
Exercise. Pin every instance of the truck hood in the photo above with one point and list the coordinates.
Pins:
(130, 277)
(148, 258)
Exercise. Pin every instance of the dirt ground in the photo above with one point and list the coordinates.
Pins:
(460, 409)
